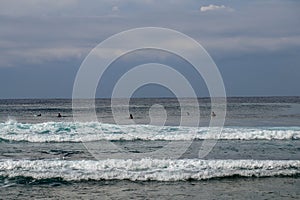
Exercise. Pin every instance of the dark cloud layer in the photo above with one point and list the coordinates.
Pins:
(254, 43)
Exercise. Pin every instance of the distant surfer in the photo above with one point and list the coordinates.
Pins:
(130, 116)
(213, 114)
(39, 115)
(59, 115)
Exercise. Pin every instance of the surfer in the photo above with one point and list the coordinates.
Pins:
(39, 115)
(213, 114)
(130, 116)
(59, 115)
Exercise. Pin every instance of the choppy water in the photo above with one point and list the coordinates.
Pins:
(258, 151)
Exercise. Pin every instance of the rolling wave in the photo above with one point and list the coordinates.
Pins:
(94, 131)
(146, 169)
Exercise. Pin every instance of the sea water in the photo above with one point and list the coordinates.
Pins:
(257, 155)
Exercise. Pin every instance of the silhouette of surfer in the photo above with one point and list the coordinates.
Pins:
(59, 115)
(213, 114)
(130, 116)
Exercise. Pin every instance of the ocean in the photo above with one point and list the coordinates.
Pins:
(257, 155)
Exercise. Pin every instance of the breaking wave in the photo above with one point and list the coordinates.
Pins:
(146, 169)
(94, 131)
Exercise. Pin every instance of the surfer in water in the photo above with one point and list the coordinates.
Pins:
(130, 116)
(59, 115)
(213, 114)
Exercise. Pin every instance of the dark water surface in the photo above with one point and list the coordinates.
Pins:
(257, 156)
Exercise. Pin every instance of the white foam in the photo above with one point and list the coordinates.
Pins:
(93, 131)
(146, 169)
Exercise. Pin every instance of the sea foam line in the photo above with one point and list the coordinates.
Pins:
(93, 131)
(146, 169)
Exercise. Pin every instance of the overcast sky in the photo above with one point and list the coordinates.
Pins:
(255, 44)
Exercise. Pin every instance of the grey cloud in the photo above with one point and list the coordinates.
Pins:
(44, 38)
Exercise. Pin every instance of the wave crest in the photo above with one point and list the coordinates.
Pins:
(94, 131)
(146, 169)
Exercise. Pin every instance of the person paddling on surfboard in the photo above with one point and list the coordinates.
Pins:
(213, 114)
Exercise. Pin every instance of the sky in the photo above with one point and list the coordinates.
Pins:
(255, 44)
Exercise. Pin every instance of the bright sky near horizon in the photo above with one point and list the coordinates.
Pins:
(255, 44)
